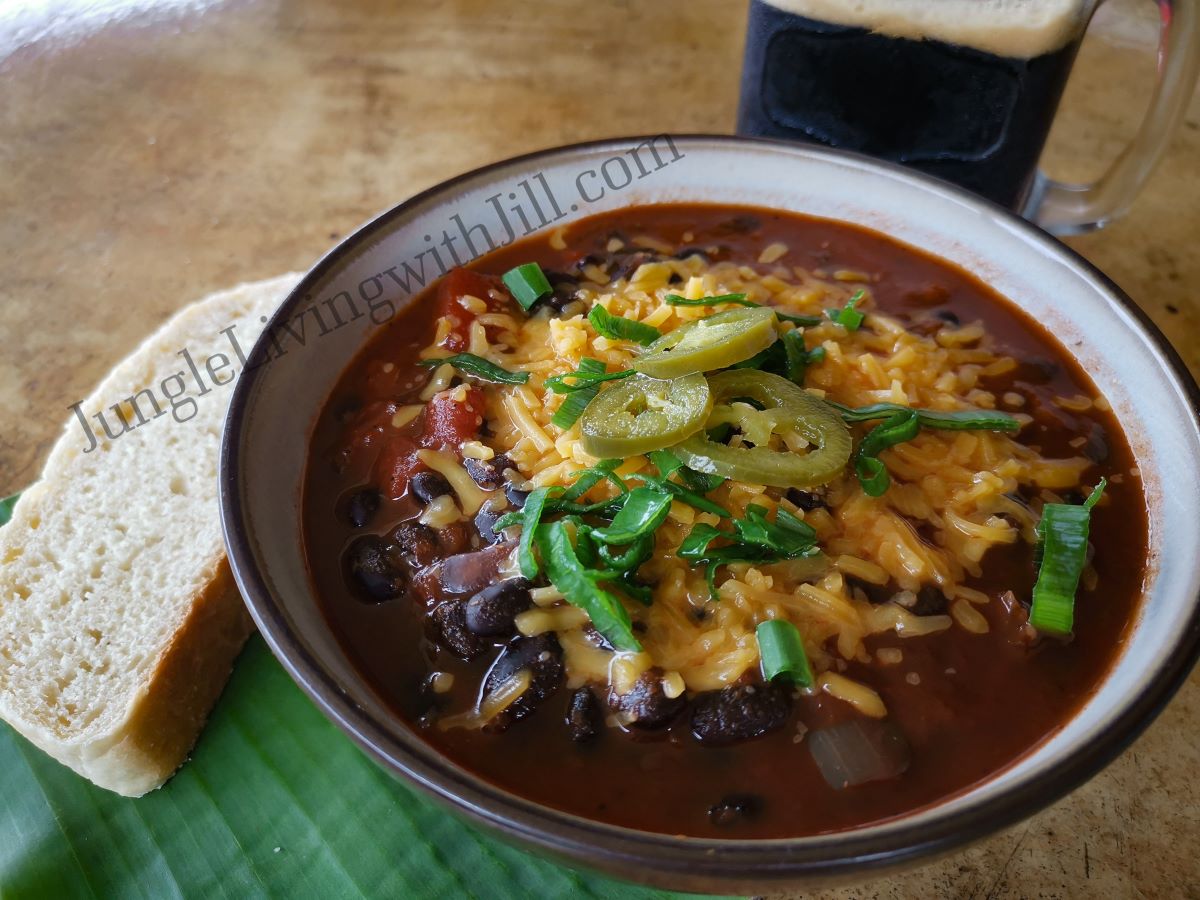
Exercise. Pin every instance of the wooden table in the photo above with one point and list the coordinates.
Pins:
(149, 155)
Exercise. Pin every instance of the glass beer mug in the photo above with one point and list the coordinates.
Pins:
(962, 89)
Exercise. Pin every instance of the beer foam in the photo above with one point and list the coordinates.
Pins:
(1021, 29)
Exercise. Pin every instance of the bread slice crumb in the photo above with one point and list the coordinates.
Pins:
(119, 618)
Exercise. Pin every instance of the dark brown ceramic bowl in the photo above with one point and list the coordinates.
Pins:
(277, 400)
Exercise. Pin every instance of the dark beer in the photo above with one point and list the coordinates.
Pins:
(955, 111)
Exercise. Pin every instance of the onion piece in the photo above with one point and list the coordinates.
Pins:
(859, 750)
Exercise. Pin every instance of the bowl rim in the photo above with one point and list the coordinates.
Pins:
(650, 856)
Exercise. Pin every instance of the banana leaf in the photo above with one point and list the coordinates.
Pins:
(275, 802)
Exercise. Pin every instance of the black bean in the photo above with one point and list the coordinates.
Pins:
(1096, 448)
(565, 288)
(735, 808)
(628, 262)
(583, 716)
(1037, 370)
(556, 278)
(741, 224)
(1016, 497)
(486, 518)
(949, 317)
(930, 602)
(362, 506)
(516, 496)
(488, 473)
(806, 500)
(691, 251)
(372, 570)
(415, 543)
(739, 712)
(592, 259)
(875, 593)
(428, 486)
(542, 655)
(450, 619)
(647, 704)
(492, 610)
(560, 300)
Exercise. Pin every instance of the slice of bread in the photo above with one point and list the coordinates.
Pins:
(119, 618)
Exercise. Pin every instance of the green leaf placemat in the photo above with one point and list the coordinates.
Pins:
(6, 508)
(275, 802)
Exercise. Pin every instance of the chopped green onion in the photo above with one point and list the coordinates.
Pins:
(787, 535)
(531, 514)
(684, 495)
(781, 652)
(1062, 541)
(622, 329)
(642, 593)
(589, 478)
(582, 379)
(872, 473)
(903, 424)
(668, 464)
(642, 512)
(695, 545)
(797, 356)
(697, 548)
(754, 539)
(946, 420)
(799, 321)
(471, 364)
(848, 315)
(700, 482)
(770, 360)
(527, 284)
(627, 562)
(739, 299)
(572, 408)
(579, 586)
(787, 357)
(6, 508)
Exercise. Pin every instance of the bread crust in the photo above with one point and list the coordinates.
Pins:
(167, 715)
(65, 612)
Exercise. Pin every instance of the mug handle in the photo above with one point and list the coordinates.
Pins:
(1065, 209)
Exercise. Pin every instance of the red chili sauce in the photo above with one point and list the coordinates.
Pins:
(982, 701)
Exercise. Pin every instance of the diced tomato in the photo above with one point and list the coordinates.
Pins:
(447, 421)
(396, 464)
(459, 283)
